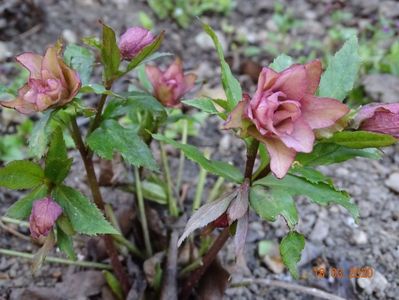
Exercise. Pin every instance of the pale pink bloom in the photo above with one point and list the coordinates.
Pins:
(170, 85)
(284, 113)
(133, 41)
(43, 216)
(381, 118)
(51, 83)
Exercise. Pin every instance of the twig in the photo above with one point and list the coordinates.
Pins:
(98, 200)
(174, 212)
(14, 232)
(58, 260)
(288, 286)
(143, 217)
(169, 282)
(182, 157)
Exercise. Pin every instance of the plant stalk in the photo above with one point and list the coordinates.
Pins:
(143, 217)
(173, 210)
(182, 156)
(98, 200)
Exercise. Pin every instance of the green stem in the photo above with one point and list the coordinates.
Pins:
(200, 185)
(173, 210)
(64, 261)
(182, 156)
(191, 267)
(143, 217)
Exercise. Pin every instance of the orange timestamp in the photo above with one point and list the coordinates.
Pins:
(339, 273)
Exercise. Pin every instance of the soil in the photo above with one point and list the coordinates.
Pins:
(333, 239)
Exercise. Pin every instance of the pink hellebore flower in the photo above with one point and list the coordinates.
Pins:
(133, 41)
(43, 216)
(284, 113)
(170, 85)
(51, 83)
(381, 118)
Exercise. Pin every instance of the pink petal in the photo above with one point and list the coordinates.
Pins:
(189, 82)
(383, 122)
(267, 77)
(18, 104)
(50, 65)
(313, 74)
(175, 70)
(154, 75)
(32, 62)
(292, 82)
(368, 111)
(301, 139)
(322, 112)
(235, 118)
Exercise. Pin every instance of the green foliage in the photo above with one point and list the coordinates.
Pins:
(12, 146)
(110, 55)
(80, 59)
(361, 139)
(39, 138)
(85, 217)
(111, 137)
(281, 62)
(321, 193)
(21, 174)
(219, 168)
(65, 244)
(230, 84)
(114, 284)
(205, 104)
(57, 162)
(326, 154)
(291, 247)
(268, 204)
(341, 73)
(22, 208)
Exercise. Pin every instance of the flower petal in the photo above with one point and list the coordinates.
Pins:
(368, 111)
(24, 107)
(154, 75)
(301, 139)
(51, 66)
(32, 62)
(313, 74)
(292, 82)
(322, 112)
(235, 118)
(266, 79)
(175, 70)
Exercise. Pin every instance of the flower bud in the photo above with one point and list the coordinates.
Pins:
(51, 83)
(170, 85)
(43, 216)
(133, 41)
(380, 118)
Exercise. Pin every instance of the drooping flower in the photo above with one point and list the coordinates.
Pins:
(43, 216)
(51, 83)
(380, 118)
(230, 208)
(170, 85)
(133, 41)
(284, 113)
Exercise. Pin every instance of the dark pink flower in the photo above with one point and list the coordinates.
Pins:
(381, 118)
(43, 216)
(133, 41)
(51, 83)
(170, 85)
(284, 113)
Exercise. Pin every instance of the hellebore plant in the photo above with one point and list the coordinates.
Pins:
(295, 121)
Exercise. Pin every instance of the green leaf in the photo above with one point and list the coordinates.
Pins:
(361, 139)
(281, 62)
(22, 208)
(320, 193)
(154, 192)
(326, 154)
(85, 217)
(310, 175)
(80, 59)
(291, 247)
(268, 204)
(146, 52)
(230, 84)
(110, 55)
(39, 137)
(21, 174)
(65, 244)
(57, 162)
(342, 70)
(219, 168)
(145, 101)
(111, 137)
(114, 284)
(143, 78)
(205, 104)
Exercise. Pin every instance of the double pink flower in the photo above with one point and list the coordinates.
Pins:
(170, 85)
(51, 83)
(284, 112)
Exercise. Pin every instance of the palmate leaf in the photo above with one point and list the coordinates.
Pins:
(342, 70)
(320, 193)
(21, 174)
(219, 168)
(230, 84)
(85, 217)
(111, 137)
(291, 247)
